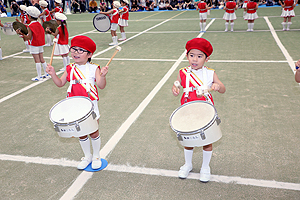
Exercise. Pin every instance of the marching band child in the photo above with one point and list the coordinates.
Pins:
(62, 36)
(229, 14)
(24, 20)
(287, 13)
(123, 20)
(57, 8)
(36, 35)
(46, 16)
(202, 7)
(251, 14)
(244, 6)
(198, 52)
(84, 73)
(114, 19)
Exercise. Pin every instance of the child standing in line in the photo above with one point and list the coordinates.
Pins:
(123, 20)
(245, 7)
(287, 13)
(202, 7)
(36, 36)
(24, 20)
(229, 14)
(57, 8)
(46, 16)
(62, 36)
(114, 19)
(251, 14)
(198, 52)
(82, 76)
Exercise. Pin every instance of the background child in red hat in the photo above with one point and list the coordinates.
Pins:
(83, 77)
(198, 52)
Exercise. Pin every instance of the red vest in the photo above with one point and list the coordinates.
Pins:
(38, 34)
(63, 39)
(251, 7)
(114, 18)
(230, 6)
(202, 7)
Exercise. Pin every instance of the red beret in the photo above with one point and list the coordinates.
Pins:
(84, 42)
(200, 44)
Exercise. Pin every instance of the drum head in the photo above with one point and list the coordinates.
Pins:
(101, 22)
(70, 110)
(192, 116)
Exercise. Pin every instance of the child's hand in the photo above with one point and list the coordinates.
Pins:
(215, 87)
(175, 90)
(297, 65)
(104, 71)
(50, 70)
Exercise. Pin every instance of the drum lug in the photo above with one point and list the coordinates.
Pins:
(77, 126)
(179, 137)
(202, 134)
(94, 115)
(218, 120)
(56, 128)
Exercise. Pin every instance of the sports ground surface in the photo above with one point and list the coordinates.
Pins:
(257, 157)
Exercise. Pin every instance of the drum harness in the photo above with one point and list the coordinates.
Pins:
(203, 89)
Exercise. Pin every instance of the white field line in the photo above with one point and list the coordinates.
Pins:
(85, 176)
(280, 45)
(113, 141)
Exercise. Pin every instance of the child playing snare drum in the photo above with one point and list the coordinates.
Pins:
(197, 75)
(86, 76)
(114, 19)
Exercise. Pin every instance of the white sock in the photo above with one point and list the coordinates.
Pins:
(68, 60)
(96, 143)
(283, 25)
(200, 26)
(123, 34)
(48, 37)
(206, 159)
(27, 45)
(38, 69)
(44, 67)
(204, 26)
(85, 146)
(226, 25)
(232, 24)
(0, 54)
(116, 40)
(252, 26)
(289, 24)
(188, 156)
(249, 26)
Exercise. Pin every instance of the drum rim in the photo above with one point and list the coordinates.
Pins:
(96, 27)
(209, 124)
(76, 121)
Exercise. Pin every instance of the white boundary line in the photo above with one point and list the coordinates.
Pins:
(85, 176)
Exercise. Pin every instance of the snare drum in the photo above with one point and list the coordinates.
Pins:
(196, 124)
(74, 117)
(8, 29)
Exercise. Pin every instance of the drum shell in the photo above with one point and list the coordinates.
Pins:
(212, 134)
(80, 127)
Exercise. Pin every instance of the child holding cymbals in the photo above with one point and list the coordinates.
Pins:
(62, 36)
(84, 76)
(114, 19)
(198, 52)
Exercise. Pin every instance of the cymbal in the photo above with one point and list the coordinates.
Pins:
(22, 27)
(52, 24)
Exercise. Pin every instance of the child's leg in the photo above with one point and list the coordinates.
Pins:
(289, 23)
(27, 46)
(1, 54)
(96, 143)
(86, 148)
(231, 24)
(188, 166)
(204, 25)
(48, 38)
(226, 25)
(205, 169)
(122, 33)
(38, 66)
(114, 38)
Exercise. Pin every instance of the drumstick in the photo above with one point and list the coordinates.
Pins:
(115, 53)
(51, 58)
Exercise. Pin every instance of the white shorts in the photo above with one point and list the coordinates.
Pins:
(36, 49)
(123, 22)
(61, 49)
(96, 109)
(114, 26)
(203, 16)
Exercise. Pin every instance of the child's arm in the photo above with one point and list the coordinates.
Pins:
(107, 13)
(101, 77)
(175, 89)
(52, 33)
(43, 13)
(58, 81)
(1, 24)
(297, 74)
(217, 84)
(26, 37)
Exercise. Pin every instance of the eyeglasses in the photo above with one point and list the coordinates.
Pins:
(79, 51)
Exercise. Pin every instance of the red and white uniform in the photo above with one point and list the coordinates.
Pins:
(57, 9)
(24, 18)
(288, 9)
(196, 79)
(229, 11)
(251, 11)
(38, 34)
(124, 16)
(245, 4)
(47, 16)
(62, 46)
(83, 80)
(114, 16)
(202, 10)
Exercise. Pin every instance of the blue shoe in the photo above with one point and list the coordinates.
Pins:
(37, 79)
(46, 75)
